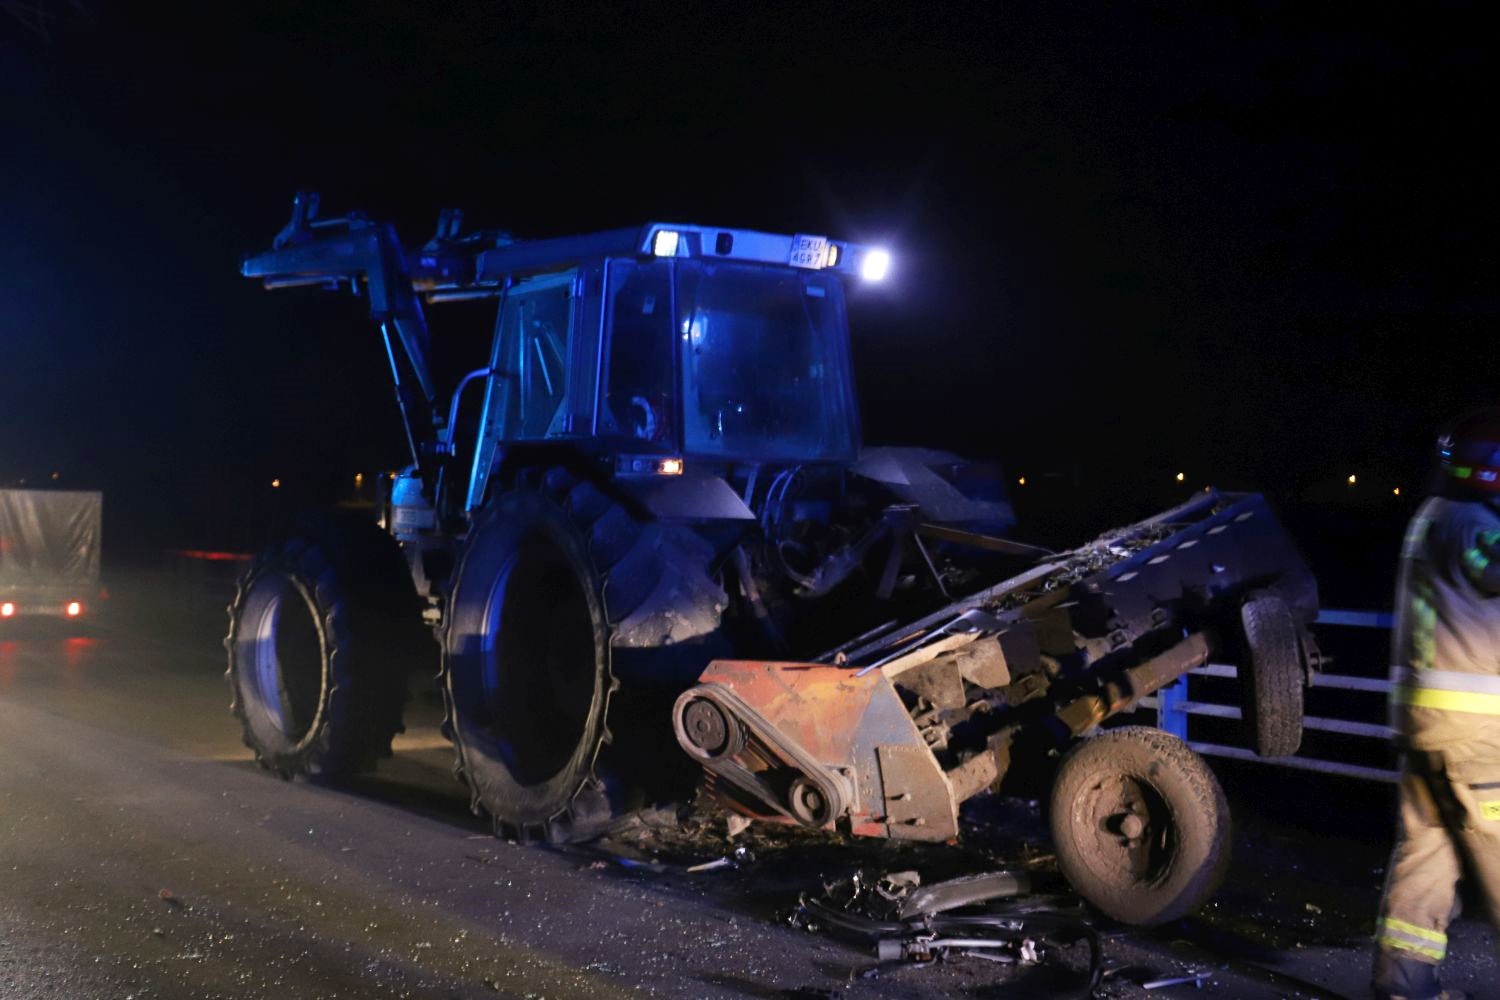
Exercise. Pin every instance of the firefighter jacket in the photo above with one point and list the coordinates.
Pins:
(1446, 642)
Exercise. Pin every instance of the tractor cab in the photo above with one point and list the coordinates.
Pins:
(673, 343)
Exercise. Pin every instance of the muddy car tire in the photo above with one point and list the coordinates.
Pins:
(323, 629)
(1140, 825)
(554, 576)
(1272, 684)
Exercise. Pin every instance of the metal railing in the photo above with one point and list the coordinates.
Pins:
(1176, 704)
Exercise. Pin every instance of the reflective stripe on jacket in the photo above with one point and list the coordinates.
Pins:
(1448, 690)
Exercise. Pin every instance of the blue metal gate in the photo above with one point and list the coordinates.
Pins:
(1186, 699)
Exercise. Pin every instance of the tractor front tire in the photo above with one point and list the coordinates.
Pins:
(1140, 824)
(556, 575)
(322, 631)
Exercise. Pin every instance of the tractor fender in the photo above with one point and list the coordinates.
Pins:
(688, 497)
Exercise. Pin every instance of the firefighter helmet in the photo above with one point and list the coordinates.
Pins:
(1469, 451)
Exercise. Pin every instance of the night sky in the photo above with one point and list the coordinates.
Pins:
(1253, 243)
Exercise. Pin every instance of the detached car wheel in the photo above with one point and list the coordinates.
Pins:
(1140, 824)
(1273, 681)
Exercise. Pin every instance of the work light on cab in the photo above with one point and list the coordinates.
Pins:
(876, 265)
(665, 243)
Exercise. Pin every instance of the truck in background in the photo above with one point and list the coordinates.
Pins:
(49, 552)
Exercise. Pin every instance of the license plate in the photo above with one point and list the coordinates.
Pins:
(808, 251)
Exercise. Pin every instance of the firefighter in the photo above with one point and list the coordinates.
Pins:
(1446, 710)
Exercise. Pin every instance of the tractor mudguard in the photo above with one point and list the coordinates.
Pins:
(688, 497)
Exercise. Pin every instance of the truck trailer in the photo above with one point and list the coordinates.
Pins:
(49, 553)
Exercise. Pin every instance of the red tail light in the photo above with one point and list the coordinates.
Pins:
(74, 609)
(7, 609)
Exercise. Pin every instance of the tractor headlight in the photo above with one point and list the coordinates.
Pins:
(664, 243)
(875, 266)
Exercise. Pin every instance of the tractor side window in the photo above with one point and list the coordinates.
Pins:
(638, 390)
(536, 326)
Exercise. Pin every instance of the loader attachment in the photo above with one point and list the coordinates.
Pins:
(890, 734)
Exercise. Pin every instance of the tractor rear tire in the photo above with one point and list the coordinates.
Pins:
(322, 632)
(1140, 824)
(1272, 688)
(556, 575)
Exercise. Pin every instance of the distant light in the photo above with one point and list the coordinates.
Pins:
(1396, 492)
(1353, 479)
(359, 479)
(7, 609)
(55, 476)
(275, 484)
(1021, 481)
(1181, 477)
(664, 244)
(74, 609)
(876, 265)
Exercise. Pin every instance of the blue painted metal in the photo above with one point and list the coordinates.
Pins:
(1170, 716)
(1357, 619)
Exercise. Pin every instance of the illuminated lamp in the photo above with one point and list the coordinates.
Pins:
(664, 243)
(876, 265)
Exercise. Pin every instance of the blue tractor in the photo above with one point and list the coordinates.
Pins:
(648, 511)
(659, 463)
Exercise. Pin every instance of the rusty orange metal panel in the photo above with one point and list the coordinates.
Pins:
(814, 724)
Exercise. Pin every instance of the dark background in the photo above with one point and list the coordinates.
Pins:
(1251, 243)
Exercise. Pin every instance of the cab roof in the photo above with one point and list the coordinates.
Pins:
(678, 240)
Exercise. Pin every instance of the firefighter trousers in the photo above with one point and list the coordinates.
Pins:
(1449, 828)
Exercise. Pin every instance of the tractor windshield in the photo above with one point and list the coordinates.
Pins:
(765, 366)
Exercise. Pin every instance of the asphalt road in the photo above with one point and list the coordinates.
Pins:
(143, 854)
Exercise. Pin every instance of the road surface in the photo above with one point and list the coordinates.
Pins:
(144, 855)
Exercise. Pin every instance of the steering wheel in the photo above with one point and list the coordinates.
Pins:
(644, 417)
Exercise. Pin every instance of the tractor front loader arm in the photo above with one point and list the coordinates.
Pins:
(353, 250)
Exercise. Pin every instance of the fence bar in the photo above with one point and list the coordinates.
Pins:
(1344, 682)
(1379, 685)
(1374, 731)
(1299, 763)
(1359, 619)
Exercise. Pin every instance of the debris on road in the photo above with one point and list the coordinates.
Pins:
(1197, 977)
(987, 916)
(738, 858)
